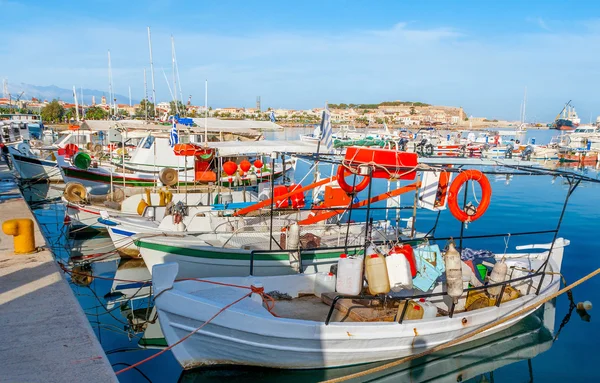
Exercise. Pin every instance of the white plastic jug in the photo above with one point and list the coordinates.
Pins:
(429, 309)
(349, 275)
(324, 283)
(399, 274)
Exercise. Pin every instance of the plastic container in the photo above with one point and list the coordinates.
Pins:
(429, 309)
(454, 283)
(498, 275)
(413, 311)
(349, 275)
(399, 273)
(377, 274)
(324, 283)
(408, 252)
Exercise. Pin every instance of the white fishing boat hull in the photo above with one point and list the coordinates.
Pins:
(224, 262)
(34, 169)
(247, 334)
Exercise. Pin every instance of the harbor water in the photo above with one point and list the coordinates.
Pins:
(525, 351)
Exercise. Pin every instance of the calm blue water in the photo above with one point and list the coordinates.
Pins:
(522, 204)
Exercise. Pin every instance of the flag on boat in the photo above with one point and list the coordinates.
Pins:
(272, 116)
(326, 137)
(174, 137)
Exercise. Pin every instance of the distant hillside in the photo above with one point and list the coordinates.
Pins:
(52, 91)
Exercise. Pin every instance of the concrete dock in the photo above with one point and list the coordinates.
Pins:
(45, 335)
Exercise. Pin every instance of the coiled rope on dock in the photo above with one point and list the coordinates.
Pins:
(464, 337)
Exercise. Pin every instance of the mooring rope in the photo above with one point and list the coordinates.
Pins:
(465, 336)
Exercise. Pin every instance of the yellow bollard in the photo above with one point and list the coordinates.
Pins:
(22, 230)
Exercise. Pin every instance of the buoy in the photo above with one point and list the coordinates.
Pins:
(82, 160)
(230, 168)
(258, 164)
(168, 176)
(118, 195)
(75, 192)
(293, 237)
(349, 188)
(454, 283)
(245, 165)
(82, 275)
(498, 275)
(22, 231)
(486, 195)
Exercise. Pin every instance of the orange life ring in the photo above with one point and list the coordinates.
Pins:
(347, 188)
(486, 191)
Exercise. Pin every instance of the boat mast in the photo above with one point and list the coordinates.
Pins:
(524, 105)
(110, 95)
(76, 103)
(173, 74)
(82, 104)
(152, 73)
(145, 97)
(177, 71)
(130, 96)
(205, 112)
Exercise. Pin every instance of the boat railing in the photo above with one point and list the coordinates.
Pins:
(498, 299)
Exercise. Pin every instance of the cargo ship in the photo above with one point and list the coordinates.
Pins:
(567, 119)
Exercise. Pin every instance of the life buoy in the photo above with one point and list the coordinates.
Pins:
(486, 195)
(348, 188)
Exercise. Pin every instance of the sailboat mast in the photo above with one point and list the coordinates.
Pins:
(177, 72)
(173, 74)
(145, 97)
(82, 104)
(152, 73)
(524, 104)
(206, 112)
(76, 103)
(110, 94)
(130, 96)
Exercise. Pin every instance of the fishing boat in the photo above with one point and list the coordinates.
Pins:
(187, 165)
(311, 319)
(307, 331)
(476, 360)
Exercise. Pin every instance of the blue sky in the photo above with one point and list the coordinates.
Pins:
(477, 54)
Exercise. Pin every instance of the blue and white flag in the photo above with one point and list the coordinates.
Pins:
(272, 116)
(174, 137)
(326, 138)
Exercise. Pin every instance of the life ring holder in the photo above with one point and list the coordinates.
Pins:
(349, 189)
(486, 191)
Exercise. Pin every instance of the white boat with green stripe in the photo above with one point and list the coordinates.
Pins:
(244, 253)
